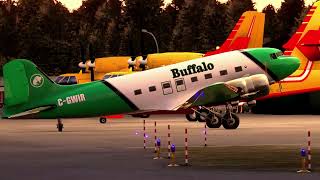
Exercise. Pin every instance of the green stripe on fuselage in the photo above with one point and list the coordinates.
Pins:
(87, 100)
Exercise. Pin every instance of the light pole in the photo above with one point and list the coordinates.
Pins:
(154, 38)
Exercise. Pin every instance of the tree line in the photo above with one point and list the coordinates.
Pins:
(47, 33)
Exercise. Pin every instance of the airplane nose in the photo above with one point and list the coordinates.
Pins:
(287, 67)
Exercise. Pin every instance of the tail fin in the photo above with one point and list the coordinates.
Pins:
(24, 85)
(305, 44)
(248, 33)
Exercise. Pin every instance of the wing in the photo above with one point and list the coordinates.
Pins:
(31, 112)
(213, 95)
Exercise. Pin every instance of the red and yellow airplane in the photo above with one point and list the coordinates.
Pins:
(299, 93)
(247, 33)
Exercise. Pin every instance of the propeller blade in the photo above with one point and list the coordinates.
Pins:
(92, 61)
(82, 64)
(132, 60)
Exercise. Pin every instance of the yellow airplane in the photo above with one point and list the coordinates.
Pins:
(247, 33)
(299, 93)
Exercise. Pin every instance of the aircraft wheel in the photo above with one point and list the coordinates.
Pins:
(103, 120)
(145, 116)
(203, 115)
(191, 117)
(213, 121)
(60, 127)
(230, 121)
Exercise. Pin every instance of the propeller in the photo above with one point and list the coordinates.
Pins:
(91, 64)
(132, 60)
(143, 61)
(82, 64)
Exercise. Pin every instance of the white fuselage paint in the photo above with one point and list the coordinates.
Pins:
(156, 100)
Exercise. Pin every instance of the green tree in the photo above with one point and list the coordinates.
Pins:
(213, 26)
(288, 15)
(271, 24)
(140, 15)
(186, 34)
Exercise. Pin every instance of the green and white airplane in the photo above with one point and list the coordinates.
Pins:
(208, 81)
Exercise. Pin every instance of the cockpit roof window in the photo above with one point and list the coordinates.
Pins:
(273, 56)
(276, 55)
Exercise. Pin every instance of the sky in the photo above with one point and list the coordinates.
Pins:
(260, 4)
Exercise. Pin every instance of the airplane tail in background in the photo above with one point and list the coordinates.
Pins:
(248, 33)
(305, 44)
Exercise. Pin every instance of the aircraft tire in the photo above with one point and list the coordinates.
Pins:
(231, 123)
(191, 117)
(213, 121)
(103, 120)
(203, 115)
(145, 116)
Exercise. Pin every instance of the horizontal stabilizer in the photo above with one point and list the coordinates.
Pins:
(31, 112)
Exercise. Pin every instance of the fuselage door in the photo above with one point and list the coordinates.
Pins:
(180, 84)
(167, 88)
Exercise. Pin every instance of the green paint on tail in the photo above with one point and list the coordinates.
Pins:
(27, 89)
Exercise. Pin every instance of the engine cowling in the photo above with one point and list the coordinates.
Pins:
(252, 86)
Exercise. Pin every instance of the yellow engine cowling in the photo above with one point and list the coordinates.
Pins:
(164, 59)
(111, 64)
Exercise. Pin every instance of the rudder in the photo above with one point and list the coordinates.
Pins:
(23, 82)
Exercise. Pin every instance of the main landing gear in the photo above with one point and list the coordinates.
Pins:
(214, 118)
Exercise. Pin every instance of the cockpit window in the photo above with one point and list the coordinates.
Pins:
(72, 80)
(107, 76)
(273, 56)
(111, 76)
(58, 79)
(276, 55)
(64, 81)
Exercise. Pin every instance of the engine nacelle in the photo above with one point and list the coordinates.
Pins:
(252, 86)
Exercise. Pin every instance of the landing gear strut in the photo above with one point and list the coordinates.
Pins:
(214, 118)
(60, 125)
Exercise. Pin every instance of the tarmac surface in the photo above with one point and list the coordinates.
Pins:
(33, 149)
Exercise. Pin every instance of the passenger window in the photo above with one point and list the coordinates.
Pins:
(181, 86)
(208, 76)
(224, 73)
(152, 89)
(137, 92)
(194, 79)
(238, 69)
(167, 88)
